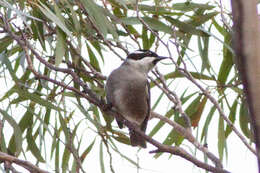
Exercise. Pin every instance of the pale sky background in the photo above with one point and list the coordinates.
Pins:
(240, 160)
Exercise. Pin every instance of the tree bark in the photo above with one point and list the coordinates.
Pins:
(246, 39)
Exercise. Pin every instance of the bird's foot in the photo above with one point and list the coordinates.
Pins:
(107, 106)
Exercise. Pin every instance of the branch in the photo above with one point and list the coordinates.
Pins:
(166, 148)
(94, 99)
(187, 74)
(25, 164)
(188, 135)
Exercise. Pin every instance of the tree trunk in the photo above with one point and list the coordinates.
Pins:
(246, 39)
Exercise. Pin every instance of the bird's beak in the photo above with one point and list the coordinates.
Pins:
(159, 58)
(162, 57)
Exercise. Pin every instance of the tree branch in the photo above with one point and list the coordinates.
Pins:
(187, 74)
(93, 98)
(25, 164)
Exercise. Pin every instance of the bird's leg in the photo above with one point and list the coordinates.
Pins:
(107, 106)
(120, 122)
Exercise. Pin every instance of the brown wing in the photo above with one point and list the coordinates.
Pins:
(112, 82)
(148, 99)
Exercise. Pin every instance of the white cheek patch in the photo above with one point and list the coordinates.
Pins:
(147, 60)
(144, 64)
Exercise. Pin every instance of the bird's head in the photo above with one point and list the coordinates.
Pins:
(144, 59)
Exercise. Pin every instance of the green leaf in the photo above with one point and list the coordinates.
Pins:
(185, 27)
(36, 98)
(33, 147)
(199, 19)
(122, 155)
(232, 117)
(49, 14)
(57, 153)
(97, 46)
(97, 14)
(177, 74)
(207, 122)
(169, 114)
(24, 93)
(161, 123)
(88, 149)
(16, 132)
(173, 137)
(204, 53)
(5, 42)
(153, 23)
(190, 6)
(196, 75)
(153, 9)
(227, 62)
(60, 47)
(157, 101)
(196, 116)
(18, 12)
(101, 158)
(193, 107)
(244, 120)
(8, 64)
(83, 110)
(37, 27)
(93, 59)
(220, 29)
(221, 137)
(145, 38)
(74, 18)
(65, 160)
(47, 118)
(25, 122)
(64, 128)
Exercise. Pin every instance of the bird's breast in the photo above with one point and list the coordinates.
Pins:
(131, 99)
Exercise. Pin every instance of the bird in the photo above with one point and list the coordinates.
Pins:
(128, 91)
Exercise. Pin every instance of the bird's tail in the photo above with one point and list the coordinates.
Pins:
(137, 140)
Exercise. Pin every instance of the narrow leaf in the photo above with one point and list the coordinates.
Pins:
(88, 149)
(244, 120)
(221, 138)
(232, 116)
(33, 147)
(49, 14)
(60, 48)
(101, 158)
(190, 6)
(17, 132)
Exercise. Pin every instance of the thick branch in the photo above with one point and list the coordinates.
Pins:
(25, 164)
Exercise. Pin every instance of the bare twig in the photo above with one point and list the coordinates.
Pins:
(178, 101)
